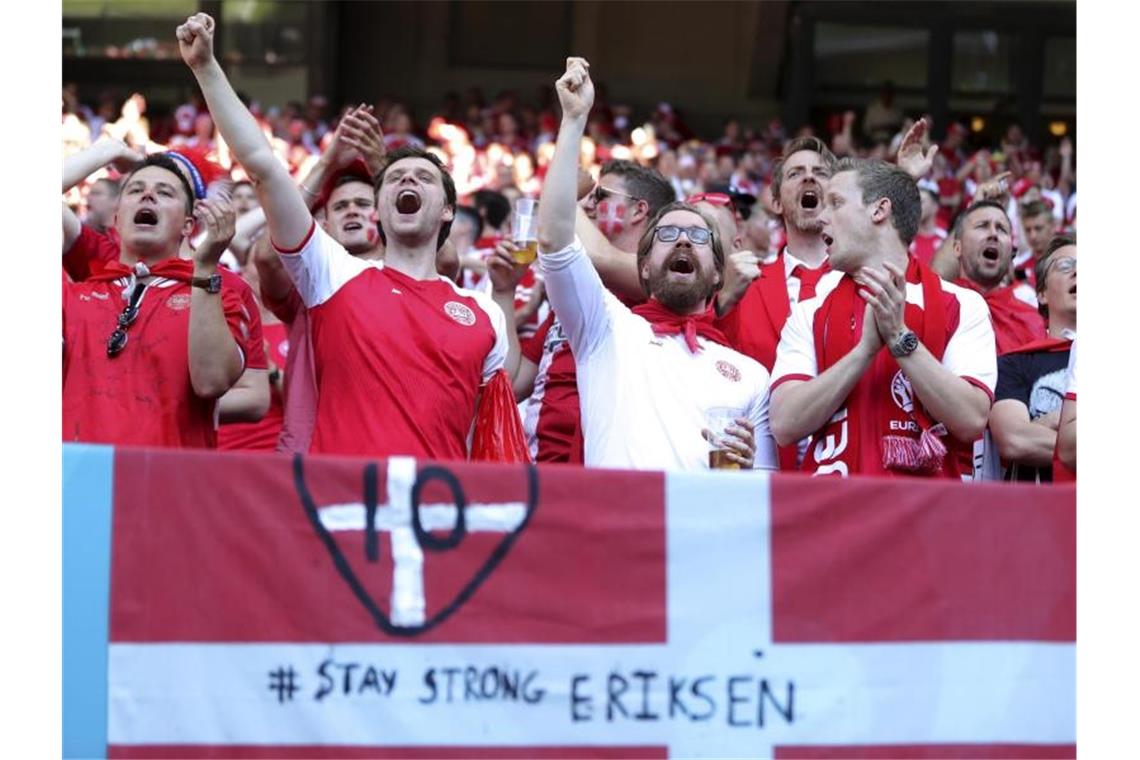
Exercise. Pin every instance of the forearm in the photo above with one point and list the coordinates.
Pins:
(799, 408)
(245, 230)
(506, 302)
(311, 185)
(556, 207)
(79, 166)
(617, 268)
(523, 380)
(1018, 439)
(962, 407)
(236, 124)
(72, 228)
(1067, 435)
(215, 361)
(248, 400)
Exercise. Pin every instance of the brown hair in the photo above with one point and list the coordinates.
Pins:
(1041, 268)
(815, 145)
(410, 151)
(878, 179)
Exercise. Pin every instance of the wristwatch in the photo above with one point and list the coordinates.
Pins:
(211, 284)
(904, 345)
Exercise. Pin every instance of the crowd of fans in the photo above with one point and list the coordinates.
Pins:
(324, 364)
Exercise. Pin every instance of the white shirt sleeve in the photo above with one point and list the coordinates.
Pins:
(972, 352)
(320, 266)
(795, 354)
(497, 356)
(578, 297)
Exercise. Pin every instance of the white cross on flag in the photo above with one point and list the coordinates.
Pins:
(337, 608)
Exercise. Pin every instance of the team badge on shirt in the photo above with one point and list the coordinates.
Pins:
(460, 313)
(178, 301)
(729, 370)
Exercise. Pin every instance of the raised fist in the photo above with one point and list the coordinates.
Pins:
(575, 89)
(196, 40)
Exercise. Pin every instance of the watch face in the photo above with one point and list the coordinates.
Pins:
(905, 345)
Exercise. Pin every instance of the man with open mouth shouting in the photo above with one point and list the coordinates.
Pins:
(889, 369)
(151, 341)
(983, 244)
(648, 377)
(400, 353)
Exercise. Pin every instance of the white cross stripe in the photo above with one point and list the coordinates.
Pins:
(409, 600)
(480, 517)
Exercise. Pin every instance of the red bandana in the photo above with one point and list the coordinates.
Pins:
(1015, 322)
(172, 268)
(666, 322)
(1050, 345)
(882, 426)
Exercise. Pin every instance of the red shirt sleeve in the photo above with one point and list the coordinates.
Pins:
(87, 255)
(531, 348)
(245, 322)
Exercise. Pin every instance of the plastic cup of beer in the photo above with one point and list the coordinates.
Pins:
(524, 231)
(717, 421)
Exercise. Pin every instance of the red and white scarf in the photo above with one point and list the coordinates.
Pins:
(881, 427)
(666, 322)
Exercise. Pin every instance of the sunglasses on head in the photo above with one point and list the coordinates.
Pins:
(670, 232)
(118, 340)
(601, 193)
(715, 199)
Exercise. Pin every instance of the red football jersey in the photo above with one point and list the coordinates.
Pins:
(399, 361)
(93, 249)
(263, 434)
(143, 395)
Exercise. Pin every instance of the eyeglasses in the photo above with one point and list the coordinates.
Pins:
(601, 193)
(118, 340)
(715, 199)
(1063, 265)
(696, 235)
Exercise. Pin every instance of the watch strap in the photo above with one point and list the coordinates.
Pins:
(211, 284)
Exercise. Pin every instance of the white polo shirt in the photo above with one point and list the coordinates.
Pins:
(645, 398)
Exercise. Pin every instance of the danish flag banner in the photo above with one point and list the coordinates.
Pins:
(261, 606)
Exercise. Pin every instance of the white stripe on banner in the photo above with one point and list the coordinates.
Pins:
(518, 695)
(717, 687)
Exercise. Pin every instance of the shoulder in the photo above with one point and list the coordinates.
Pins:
(970, 301)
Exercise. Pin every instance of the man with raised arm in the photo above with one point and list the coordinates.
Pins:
(890, 369)
(400, 353)
(649, 376)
